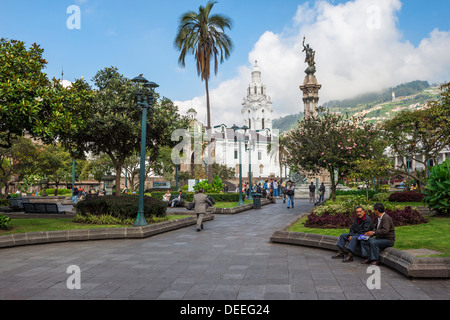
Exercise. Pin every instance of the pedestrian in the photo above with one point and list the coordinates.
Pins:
(312, 193)
(384, 236)
(200, 202)
(321, 192)
(275, 188)
(360, 226)
(290, 192)
(74, 194)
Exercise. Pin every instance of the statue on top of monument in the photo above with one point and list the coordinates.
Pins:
(310, 56)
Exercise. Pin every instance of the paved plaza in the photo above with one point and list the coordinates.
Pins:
(231, 259)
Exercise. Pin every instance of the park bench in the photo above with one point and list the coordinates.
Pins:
(42, 208)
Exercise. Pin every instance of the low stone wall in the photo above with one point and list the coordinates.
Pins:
(44, 237)
(405, 263)
(236, 210)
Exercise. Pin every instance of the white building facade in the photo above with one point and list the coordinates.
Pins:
(259, 143)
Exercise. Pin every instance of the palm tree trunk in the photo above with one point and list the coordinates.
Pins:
(208, 127)
(208, 109)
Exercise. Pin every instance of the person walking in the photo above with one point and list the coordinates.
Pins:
(290, 191)
(312, 193)
(200, 201)
(74, 194)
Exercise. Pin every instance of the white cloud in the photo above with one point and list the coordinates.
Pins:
(359, 48)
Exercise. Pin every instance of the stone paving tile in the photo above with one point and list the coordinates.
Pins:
(231, 259)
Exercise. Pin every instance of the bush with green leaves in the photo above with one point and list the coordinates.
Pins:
(437, 191)
(61, 192)
(122, 207)
(381, 197)
(5, 222)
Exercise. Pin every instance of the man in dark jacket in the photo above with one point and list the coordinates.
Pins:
(360, 226)
(384, 236)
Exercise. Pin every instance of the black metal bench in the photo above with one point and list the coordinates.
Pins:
(42, 208)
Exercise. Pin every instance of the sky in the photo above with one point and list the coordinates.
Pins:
(361, 46)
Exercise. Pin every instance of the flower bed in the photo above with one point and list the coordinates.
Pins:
(328, 220)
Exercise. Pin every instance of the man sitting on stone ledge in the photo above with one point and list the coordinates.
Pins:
(360, 226)
(384, 236)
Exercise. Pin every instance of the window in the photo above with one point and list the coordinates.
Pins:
(259, 155)
(235, 154)
(263, 123)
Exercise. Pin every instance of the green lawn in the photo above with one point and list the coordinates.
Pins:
(36, 225)
(230, 204)
(433, 235)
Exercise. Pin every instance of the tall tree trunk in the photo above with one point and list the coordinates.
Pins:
(208, 127)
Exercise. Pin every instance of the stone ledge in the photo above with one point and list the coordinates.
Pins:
(238, 209)
(32, 238)
(405, 263)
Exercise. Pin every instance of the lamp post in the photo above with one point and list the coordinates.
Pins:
(249, 146)
(235, 128)
(145, 101)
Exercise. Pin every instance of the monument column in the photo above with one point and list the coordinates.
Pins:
(310, 85)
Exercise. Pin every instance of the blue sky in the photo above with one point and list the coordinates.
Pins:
(137, 37)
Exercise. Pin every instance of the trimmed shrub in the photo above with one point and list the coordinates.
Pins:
(400, 217)
(5, 222)
(381, 197)
(437, 191)
(362, 192)
(406, 196)
(122, 207)
(218, 197)
(328, 221)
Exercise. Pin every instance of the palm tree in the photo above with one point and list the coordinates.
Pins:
(203, 35)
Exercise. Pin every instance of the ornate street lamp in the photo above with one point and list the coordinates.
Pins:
(235, 128)
(145, 101)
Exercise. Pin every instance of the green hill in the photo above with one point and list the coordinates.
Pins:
(376, 106)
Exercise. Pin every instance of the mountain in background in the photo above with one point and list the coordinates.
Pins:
(375, 106)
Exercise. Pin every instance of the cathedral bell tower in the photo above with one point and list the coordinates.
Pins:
(257, 105)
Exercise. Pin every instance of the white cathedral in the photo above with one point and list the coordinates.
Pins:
(259, 143)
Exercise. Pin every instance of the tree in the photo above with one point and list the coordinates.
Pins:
(28, 100)
(19, 161)
(114, 123)
(420, 135)
(203, 35)
(55, 164)
(332, 142)
(370, 169)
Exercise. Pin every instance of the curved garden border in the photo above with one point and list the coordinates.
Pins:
(44, 237)
(405, 263)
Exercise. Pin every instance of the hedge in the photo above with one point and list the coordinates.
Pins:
(218, 197)
(122, 207)
(400, 217)
(406, 196)
(362, 192)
